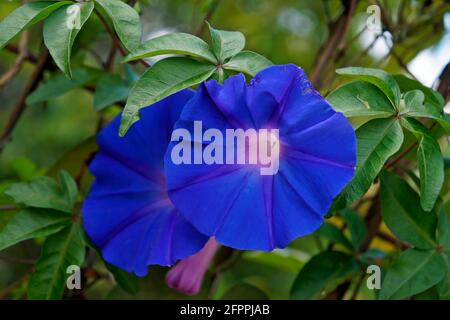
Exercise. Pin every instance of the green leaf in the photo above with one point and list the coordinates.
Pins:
(384, 81)
(322, 274)
(417, 106)
(24, 168)
(377, 140)
(244, 291)
(166, 77)
(58, 85)
(31, 223)
(443, 287)
(443, 228)
(68, 186)
(430, 162)
(173, 43)
(226, 44)
(413, 272)
(5, 218)
(74, 159)
(431, 96)
(59, 34)
(127, 281)
(44, 192)
(111, 88)
(248, 62)
(59, 251)
(333, 233)
(25, 16)
(355, 225)
(125, 20)
(403, 214)
(360, 99)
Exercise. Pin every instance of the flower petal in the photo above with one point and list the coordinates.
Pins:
(235, 204)
(128, 214)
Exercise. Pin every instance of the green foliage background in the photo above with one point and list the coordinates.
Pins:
(378, 219)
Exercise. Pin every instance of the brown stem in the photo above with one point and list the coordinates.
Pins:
(22, 53)
(401, 155)
(20, 104)
(338, 32)
(115, 40)
(6, 291)
(444, 82)
(393, 240)
(208, 16)
(358, 285)
(8, 207)
(14, 49)
(373, 221)
(16, 260)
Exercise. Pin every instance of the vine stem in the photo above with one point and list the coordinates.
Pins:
(22, 53)
(115, 39)
(338, 32)
(208, 16)
(8, 207)
(20, 105)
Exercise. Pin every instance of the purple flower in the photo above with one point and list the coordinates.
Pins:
(187, 275)
(128, 214)
(235, 202)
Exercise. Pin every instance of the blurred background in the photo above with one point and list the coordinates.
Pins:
(318, 35)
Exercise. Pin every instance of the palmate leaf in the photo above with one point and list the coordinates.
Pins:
(413, 272)
(248, 62)
(418, 105)
(59, 34)
(377, 140)
(173, 43)
(323, 273)
(430, 162)
(44, 192)
(226, 44)
(60, 250)
(125, 20)
(432, 97)
(361, 101)
(31, 223)
(25, 16)
(384, 81)
(403, 214)
(163, 79)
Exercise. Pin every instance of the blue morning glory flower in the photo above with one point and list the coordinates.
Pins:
(128, 214)
(235, 201)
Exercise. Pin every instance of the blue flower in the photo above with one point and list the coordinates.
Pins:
(234, 202)
(128, 214)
